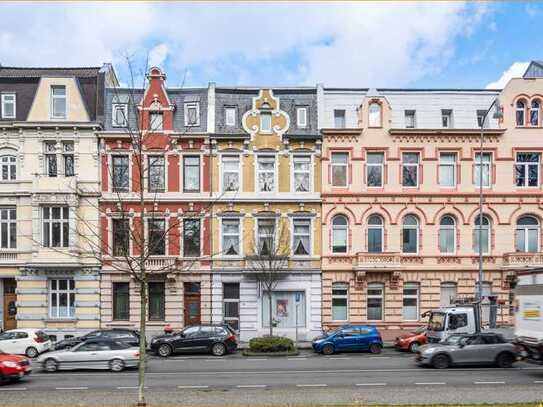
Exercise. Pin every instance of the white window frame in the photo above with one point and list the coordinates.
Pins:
(476, 228)
(340, 286)
(412, 115)
(416, 165)
(486, 166)
(112, 235)
(448, 165)
(266, 130)
(447, 115)
(301, 117)
(417, 232)
(200, 240)
(66, 152)
(48, 154)
(188, 106)
(339, 228)
(148, 234)
(411, 286)
(239, 236)
(525, 230)
(520, 109)
(381, 167)
(257, 234)
(7, 223)
(158, 127)
(447, 286)
(5, 96)
(380, 227)
(62, 220)
(57, 292)
(338, 117)
(537, 111)
(53, 97)
(526, 166)
(375, 118)
(11, 167)
(258, 171)
(223, 171)
(308, 172)
(232, 301)
(164, 174)
(230, 116)
(111, 177)
(294, 235)
(200, 169)
(376, 286)
(124, 108)
(447, 227)
(346, 165)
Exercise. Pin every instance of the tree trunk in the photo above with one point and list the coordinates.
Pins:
(143, 318)
(271, 315)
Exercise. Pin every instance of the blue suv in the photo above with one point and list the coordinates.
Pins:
(349, 338)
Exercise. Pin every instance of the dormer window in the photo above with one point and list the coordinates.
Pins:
(301, 117)
(120, 115)
(446, 118)
(520, 106)
(374, 113)
(192, 114)
(409, 119)
(230, 116)
(8, 106)
(155, 121)
(534, 113)
(265, 122)
(58, 102)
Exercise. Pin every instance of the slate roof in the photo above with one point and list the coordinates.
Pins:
(24, 72)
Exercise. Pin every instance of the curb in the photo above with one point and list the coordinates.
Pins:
(270, 354)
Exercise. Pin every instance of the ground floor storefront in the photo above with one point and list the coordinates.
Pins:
(241, 301)
(397, 299)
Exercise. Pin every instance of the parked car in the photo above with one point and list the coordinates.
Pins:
(29, 342)
(349, 338)
(468, 349)
(215, 339)
(412, 340)
(92, 354)
(13, 367)
(128, 336)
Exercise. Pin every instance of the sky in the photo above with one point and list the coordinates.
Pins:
(365, 44)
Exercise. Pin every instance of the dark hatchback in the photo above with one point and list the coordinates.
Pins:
(215, 339)
(127, 336)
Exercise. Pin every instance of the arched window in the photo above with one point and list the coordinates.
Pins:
(534, 113)
(375, 234)
(520, 112)
(9, 167)
(374, 113)
(410, 234)
(447, 235)
(485, 235)
(340, 302)
(527, 235)
(340, 229)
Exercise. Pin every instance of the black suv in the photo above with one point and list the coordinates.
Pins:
(215, 339)
(128, 336)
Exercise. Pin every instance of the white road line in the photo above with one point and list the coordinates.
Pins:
(379, 357)
(429, 383)
(297, 358)
(71, 388)
(338, 358)
(129, 387)
(489, 382)
(370, 384)
(250, 386)
(253, 359)
(192, 387)
(14, 389)
(538, 381)
(312, 385)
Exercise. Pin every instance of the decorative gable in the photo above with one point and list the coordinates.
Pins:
(256, 121)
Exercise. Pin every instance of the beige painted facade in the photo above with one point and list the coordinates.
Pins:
(434, 270)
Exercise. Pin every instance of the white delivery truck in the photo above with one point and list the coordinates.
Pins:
(529, 315)
(446, 321)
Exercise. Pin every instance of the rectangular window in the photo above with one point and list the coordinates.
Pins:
(480, 117)
(375, 169)
(120, 237)
(8, 228)
(375, 301)
(120, 173)
(447, 169)
(410, 302)
(191, 174)
(340, 302)
(301, 117)
(155, 122)
(120, 115)
(410, 169)
(230, 116)
(230, 173)
(8, 165)
(61, 299)
(266, 236)
(339, 119)
(231, 237)
(157, 301)
(265, 122)
(231, 304)
(527, 170)
(301, 237)
(191, 237)
(51, 168)
(157, 173)
(288, 309)
(192, 114)
(58, 102)
(447, 294)
(483, 165)
(265, 173)
(56, 226)
(156, 237)
(302, 173)
(340, 163)
(8, 105)
(410, 119)
(121, 301)
(446, 118)
(68, 158)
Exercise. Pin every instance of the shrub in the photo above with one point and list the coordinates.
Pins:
(271, 344)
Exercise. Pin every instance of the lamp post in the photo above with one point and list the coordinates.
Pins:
(479, 287)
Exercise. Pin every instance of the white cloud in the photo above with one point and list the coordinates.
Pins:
(158, 55)
(514, 71)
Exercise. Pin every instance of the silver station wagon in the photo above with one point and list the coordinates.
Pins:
(92, 354)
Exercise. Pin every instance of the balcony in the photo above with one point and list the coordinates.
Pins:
(511, 260)
(161, 264)
(388, 261)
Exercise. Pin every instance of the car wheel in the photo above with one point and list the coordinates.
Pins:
(164, 350)
(50, 365)
(327, 349)
(31, 352)
(375, 348)
(505, 360)
(116, 365)
(441, 362)
(218, 349)
(413, 347)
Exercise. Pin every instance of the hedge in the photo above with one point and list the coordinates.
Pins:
(271, 344)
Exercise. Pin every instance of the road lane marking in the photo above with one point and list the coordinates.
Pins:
(13, 389)
(250, 386)
(129, 387)
(312, 385)
(254, 359)
(489, 382)
(370, 384)
(379, 357)
(71, 388)
(429, 383)
(192, 387)
(297, 358)
(538, 381)
(341, 358)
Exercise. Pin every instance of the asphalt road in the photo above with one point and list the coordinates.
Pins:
(309, 378)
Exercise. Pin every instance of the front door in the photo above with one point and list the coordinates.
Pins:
(10, 299)
(192, 304)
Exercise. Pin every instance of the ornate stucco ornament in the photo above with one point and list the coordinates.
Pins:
(265, 103)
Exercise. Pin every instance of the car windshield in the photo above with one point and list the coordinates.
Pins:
(420, 330)
(452, 340)
(437, 321)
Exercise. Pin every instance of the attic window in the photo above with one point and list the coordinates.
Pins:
(192, 114)
(265, 122)
(155, 121)
(374, 113)
(446, 118)
(8, 106)
(58, 102)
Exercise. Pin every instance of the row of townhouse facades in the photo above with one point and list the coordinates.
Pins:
(377, 189)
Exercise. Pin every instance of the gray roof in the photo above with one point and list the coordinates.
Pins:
(25, 72)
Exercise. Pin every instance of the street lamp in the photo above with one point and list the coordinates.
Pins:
(498, 114)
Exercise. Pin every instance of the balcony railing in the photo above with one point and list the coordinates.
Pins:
(523, 259)
(380, 261)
